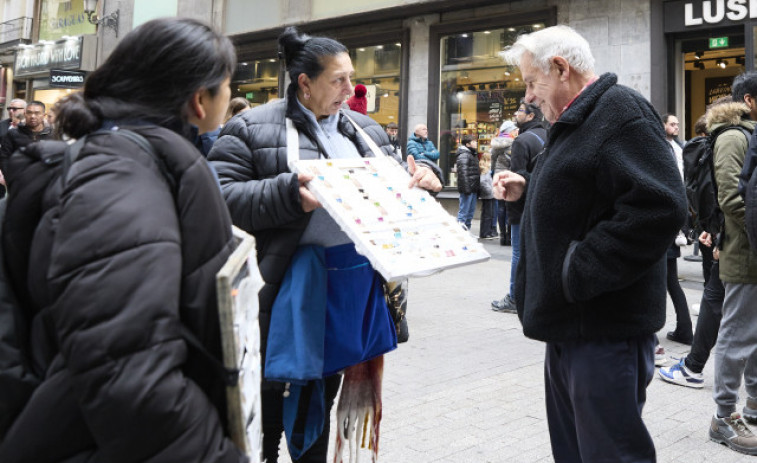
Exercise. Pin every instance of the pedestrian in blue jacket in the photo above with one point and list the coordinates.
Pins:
(420, 147)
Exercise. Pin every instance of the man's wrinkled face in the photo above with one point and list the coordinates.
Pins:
(543, 90)
(392, 133)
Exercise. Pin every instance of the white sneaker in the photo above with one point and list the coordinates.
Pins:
(679, 374)
(694, 310)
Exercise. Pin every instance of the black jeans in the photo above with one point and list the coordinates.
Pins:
(502, 216)
(273, 426)
(595, 392)
(710, 313)
(683, 319)
(487, 218)
(707, 261)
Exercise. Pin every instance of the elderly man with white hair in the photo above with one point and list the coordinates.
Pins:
(603, 204)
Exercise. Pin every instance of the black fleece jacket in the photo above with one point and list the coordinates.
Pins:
(604, 202)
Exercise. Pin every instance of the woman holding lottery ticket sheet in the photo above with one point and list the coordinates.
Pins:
(292, 230)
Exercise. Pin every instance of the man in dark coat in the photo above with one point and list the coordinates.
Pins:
(526, 147)
(16, 105)
(601, 210)
(33, 129)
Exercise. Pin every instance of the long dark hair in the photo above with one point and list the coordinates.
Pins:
(304, 54)
(151, 76)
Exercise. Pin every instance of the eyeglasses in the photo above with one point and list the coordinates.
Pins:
(15, 109)
(520, 110)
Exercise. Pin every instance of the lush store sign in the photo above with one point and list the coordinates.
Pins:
(687, 15)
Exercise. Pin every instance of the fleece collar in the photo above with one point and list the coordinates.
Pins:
(587, 99)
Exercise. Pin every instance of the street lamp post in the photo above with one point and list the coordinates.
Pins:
(109, 21)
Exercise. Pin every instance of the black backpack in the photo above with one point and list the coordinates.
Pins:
(699, 178)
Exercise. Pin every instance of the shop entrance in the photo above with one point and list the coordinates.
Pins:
(708, 74)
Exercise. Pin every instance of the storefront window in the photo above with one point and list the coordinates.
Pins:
(378, 68)
(257, 81)
(708, 75)
(51, 96)
(477, 90)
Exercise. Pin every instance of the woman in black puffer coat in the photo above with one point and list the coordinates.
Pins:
(131, 259)
(269, 201)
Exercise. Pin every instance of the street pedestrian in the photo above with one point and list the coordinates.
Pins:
(485, 194)
(468, 179)
(272, 203)
(532, 134)
(128, 263)
(736, 348)
(601, 209)
(501, 149)
(688, 370)
(683, 332)
(420, 147)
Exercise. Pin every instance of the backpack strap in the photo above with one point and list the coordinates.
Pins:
(230, 376)
(537, 137)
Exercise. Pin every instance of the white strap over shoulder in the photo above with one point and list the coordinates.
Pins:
(371, 144)
(293, 144)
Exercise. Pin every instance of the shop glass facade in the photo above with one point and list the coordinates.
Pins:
(477, 90)
(378, 67)
(257, 81)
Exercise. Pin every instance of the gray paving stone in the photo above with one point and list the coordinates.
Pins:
(469, 387)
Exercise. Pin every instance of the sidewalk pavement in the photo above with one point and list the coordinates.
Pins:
(469, 387)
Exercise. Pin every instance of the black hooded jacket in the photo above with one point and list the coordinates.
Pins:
(130, 261)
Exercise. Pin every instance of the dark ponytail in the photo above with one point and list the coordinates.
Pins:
(303, 54)
(150, 76)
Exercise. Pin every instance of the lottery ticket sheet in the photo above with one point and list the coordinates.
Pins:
(404, 232)
(238, 283)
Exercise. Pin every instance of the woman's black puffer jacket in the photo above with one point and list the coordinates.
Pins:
(250, 157)
(130, 261)
(468, 177)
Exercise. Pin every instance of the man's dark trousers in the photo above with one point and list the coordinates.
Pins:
(595, 391)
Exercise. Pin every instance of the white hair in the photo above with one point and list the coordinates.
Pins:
(547, 43)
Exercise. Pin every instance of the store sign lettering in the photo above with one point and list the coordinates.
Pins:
(67, 79)
(68, 21)
(46, 56)
(714, 12)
